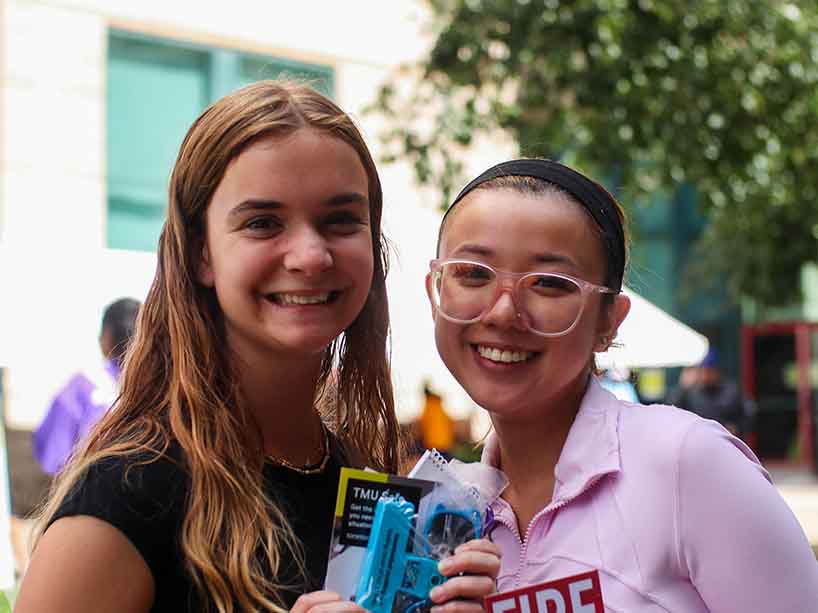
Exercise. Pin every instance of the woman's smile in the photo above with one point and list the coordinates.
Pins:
(503, 354)
(301, 299)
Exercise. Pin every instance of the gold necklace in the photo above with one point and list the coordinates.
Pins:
(309, 469)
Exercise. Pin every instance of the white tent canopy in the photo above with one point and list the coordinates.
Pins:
(650, 338)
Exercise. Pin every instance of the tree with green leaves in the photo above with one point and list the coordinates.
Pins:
(652, 94)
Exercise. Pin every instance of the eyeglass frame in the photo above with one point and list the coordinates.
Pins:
(585, 289)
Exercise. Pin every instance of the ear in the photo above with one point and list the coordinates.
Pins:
(609, 324)
(204, 270)
(429, 295)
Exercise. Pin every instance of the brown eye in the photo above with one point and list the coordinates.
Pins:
(263, 225)
(551, 285)
(344, 223)
(468, 272)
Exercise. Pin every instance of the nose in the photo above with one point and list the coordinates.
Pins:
(308, 253)
(504, 312)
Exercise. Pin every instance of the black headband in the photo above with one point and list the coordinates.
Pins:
(590, 194)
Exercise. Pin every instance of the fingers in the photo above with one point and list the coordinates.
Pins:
(459, 606)
(337, 606)
(473, 570)
(466, 587)
(324, 602)
(484, 545)
(477, 557)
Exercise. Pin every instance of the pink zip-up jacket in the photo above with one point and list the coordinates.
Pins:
(674, 512)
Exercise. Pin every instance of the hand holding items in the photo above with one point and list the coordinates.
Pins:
(408, 544)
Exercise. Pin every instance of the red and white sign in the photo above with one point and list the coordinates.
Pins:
(577, 594)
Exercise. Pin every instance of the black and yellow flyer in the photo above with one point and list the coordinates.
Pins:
(358, 493)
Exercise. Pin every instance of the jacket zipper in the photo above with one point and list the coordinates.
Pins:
(549, 509)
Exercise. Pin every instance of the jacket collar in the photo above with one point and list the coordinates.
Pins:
(591, 449)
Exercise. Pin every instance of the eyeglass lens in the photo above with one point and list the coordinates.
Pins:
(465, 291)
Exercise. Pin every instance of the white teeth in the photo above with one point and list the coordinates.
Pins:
(294, 299)
(506, 356)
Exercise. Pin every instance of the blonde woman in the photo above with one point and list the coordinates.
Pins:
(211, 484)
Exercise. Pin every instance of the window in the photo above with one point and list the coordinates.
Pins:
(156, 89)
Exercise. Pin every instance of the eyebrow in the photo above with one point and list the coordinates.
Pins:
(254, 204)
(553, 258)
(545, 257)
(473, 249)
(261, 204)
(347, 198)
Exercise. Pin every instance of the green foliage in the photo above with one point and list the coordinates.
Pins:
(657, 93)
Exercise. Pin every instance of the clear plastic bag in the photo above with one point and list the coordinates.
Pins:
(406, 544)
(473, 484)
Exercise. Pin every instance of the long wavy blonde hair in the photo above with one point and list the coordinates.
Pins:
(179, 382)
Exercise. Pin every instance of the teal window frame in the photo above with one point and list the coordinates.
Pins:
(140, 162)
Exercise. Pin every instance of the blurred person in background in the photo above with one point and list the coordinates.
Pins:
(436, 427)
(706, 391)
(88, 394)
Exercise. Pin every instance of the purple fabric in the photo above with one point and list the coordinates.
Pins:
(73, 412)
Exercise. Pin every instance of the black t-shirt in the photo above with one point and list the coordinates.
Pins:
(147, 503)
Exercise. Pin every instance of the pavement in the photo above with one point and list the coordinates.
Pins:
(799, 488)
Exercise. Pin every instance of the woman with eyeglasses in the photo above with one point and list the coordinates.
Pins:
(672, 511)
